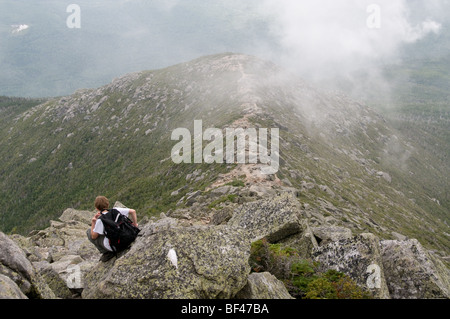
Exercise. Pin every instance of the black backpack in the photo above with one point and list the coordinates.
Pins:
(119, 230)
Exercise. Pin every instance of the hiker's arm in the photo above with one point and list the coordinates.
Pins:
(94, 235)
(133, 217)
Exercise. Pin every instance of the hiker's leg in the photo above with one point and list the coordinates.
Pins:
(97, 242)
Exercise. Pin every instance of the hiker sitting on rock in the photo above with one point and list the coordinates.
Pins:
(104, 233)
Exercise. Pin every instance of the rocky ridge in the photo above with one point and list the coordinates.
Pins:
(183, 254)
(341, 155)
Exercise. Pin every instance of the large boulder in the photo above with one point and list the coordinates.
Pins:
(330, 233)
(358, 257)
(56, 251)
(70, 215)
(15, 265)
(263, 286)
(413, 273)
(304, 243)
(55, 282)
(171, 262)
(275, 218)
(64, 237)
(9, 289)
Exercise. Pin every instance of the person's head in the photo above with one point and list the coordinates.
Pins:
(101, 203)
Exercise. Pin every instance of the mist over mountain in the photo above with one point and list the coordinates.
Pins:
(324, 41)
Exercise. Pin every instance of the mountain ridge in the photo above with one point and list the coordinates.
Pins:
(341, 156)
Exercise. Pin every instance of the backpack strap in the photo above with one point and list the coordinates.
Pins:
(118, 215)
(111, 214)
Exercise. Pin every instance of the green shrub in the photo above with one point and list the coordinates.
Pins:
(320, 288)
(228, 198)
(300, 276)
(346, 288)
(236, 183)
(303, 273)
(333, 275)
(271, 258)
(335, 285)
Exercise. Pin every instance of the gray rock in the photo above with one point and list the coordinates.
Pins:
(56, 250)
(191, 198)
(413, 273)
(9, 289)
(54, 281)
(359, 258)
(261, 190)
(307, 186)
(294, 191)
(71, 214)
(14, 261)
(222, 190)
(119, 205)
(15, 265)
(158, 226)
(327, 190)
(222, 216)
(275, 218)
(386, 176)
(263, 286)
(399, 236)
(176, 262)
(303, 243)
(331, 233)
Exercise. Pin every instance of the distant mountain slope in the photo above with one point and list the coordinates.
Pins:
(13, 106)
(418, 107)
(344, 158)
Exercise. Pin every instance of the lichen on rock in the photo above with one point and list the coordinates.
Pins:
(212, 263)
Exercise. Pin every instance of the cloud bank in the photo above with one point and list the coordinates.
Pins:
(338, 37)
(319, 40)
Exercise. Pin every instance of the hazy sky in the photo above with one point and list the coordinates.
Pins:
(326, 40)
(345, 35)
(317, 39)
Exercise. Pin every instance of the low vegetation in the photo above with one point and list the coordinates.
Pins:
(302, 277)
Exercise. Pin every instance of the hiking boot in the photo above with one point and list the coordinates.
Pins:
(106, 256)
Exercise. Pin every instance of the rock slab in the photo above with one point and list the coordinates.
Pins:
(171, 262)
